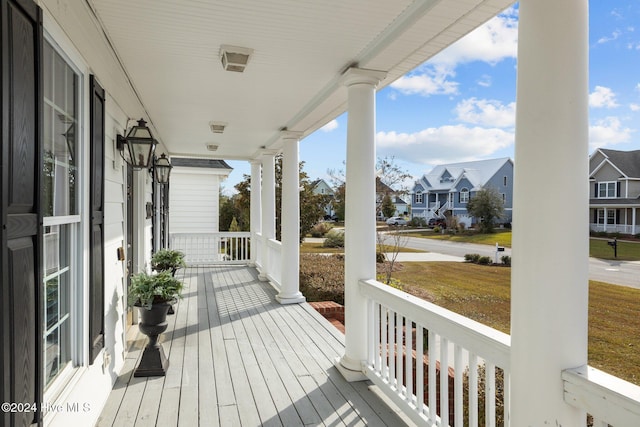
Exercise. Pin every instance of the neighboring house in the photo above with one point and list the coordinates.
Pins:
(320, 186)
(614, 191)
(446, 190)
(382, 189)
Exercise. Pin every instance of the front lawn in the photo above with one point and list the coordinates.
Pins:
(482, 293)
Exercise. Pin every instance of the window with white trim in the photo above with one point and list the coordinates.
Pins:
(610, 217)
(61, 210)
(607, 190)
(419, 197)
(464, 195)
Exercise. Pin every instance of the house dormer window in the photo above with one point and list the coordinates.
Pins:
(419, 198)
(464, 195)
(607, 190)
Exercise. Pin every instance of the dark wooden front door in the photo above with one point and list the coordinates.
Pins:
(20, 209)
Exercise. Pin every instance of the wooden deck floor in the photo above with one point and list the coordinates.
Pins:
(238, 358)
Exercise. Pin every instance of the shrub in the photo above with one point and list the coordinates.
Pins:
(417, 222)
(437, 229)
(146, 289)
(322, 277)
(484, 260)
(506, 260)
(380, 257)
(320, 229)
(334, 239)
(472, 258)
(499, 388)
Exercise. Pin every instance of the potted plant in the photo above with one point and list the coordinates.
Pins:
(167, 260)
(153, 294)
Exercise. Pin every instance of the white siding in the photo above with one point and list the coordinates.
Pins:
(193, 200)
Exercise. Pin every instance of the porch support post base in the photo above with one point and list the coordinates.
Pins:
(351, 371)
(263, 277)
(291, 299)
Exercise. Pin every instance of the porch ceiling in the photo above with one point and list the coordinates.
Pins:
(170, 51)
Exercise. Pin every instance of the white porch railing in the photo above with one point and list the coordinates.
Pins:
(615, 228)
(274, 262)
(407, 331)
(609, 399)
(213, 248)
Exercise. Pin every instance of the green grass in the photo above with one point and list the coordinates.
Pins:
(483, 293)
(627, 251)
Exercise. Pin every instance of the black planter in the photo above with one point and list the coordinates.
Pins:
(152, 323)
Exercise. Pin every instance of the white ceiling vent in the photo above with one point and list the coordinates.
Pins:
(235, 58)
(212, 147)
(217, 127)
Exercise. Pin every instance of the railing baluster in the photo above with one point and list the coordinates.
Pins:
(458, 404)
(444, 381)
(473, 390)
(392, 356)
(490, 394)
(376, 337)
(408, 353)
(383, 343)
(420, 368)
(399, 370)
(431, 343)
(507, 397)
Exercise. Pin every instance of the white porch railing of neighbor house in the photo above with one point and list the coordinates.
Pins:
(616, 228)
(453, 353)
(274, 262)
(213, 248)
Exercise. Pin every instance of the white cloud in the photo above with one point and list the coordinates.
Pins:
(608, 131)
(445, 144)
(612, 37)
(434, 81)
(486, 112)
(332, 125)
(602, 97)
(484, 81)
(638, 87)
(634, 107)
(492, 42)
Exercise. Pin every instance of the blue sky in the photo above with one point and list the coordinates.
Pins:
(460, 105)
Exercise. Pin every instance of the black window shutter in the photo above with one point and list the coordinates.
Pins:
(618, 189)
(20, 209)
(617, 216)
(96, 225)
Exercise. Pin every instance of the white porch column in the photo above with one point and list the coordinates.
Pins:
(268, 209)
(549, 289)
(256, 208)
(290, 234)
(360, 213)
(633, 221)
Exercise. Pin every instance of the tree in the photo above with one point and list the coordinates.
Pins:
(487, 205)
(311, 204)
(388, 208)
(391, 175)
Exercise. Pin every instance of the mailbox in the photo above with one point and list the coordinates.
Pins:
(612, 243)
(500, 248)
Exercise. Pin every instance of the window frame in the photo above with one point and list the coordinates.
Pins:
(607, 185)
(419, 197)
(78, 222)
(465, 195)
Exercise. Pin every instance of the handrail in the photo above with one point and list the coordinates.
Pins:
(609, 399)
(229, 247)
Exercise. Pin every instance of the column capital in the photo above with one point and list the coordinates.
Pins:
(268, 153)
(355, 76)
(255, 161)
(290, 134)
